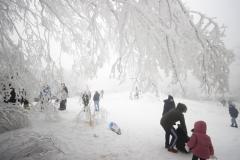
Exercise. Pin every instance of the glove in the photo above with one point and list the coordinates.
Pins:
(187, 148)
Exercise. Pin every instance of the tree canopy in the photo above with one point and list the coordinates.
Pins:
(149, 37)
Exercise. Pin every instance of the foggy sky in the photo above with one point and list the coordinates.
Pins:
(226, 12)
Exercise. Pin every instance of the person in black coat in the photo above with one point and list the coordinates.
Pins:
(64, 95)
(233, 113)
(182, 139)
(85, 100)
(96, 99)
(169, 104)
(168, 120)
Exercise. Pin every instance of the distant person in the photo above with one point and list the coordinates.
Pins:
(45, 96)
(200, 143)
(64, 95)
(168, 121)
(136, 94)
(85, 100)
(233, 113)
(96, 99)
(23, 99)
(169, 104)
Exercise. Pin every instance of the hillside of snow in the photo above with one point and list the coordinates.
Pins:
(71, 138)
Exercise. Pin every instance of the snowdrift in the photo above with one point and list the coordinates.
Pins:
(12, 117)
(29, 145)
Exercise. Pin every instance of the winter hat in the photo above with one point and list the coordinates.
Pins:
(181, 107)
(200, 127)
(170, 97)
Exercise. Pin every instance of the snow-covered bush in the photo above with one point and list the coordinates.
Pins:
(12, 117)
(27, 145)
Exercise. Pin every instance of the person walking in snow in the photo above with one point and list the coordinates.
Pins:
(169, 104)
(168, 121)
(233, 113)
(200, 143)
(64, 95)
(96, 99)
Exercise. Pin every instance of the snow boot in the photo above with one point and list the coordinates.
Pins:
(172, 150)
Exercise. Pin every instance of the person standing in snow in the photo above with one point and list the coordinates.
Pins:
(169, 104)
(136, 94)
(200, 143)
(45, 96)
(96, 99)
(168, 121)
(85, 100)
(23, 99)
(64, 95)
(233, 113)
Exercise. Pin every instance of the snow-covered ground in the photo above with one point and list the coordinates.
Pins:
(142, 136)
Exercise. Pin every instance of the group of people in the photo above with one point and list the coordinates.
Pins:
(199, 143)
(12, 96)
(86, 96)
(46, 96)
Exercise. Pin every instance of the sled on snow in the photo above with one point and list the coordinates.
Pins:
(115, 128)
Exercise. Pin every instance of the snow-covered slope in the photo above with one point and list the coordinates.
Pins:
(142, 136)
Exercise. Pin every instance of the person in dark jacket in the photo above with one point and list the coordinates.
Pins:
(168, 120)
(182, 139)
(169, 104)
(64, 95)
(85, 100)
(233, 113)
(23, 99)
(96, 99)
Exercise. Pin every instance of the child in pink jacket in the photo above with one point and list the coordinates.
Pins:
(200, 143)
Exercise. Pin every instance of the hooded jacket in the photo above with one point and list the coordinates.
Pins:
(170, 118)
(233, 111)
(200, 143)
(169, 104)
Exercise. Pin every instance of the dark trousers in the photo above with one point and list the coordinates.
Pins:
(173, 133)
(63, 104)
(196, 158)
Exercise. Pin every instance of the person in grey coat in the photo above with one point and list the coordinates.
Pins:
(168, 120)
(233, 113)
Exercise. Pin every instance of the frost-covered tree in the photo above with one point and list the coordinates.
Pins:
(150, 37)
